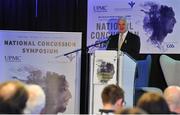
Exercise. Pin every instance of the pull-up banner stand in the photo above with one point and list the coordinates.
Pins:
(34, 57)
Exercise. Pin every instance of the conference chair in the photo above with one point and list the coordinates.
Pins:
(171, 70)
(142, 78)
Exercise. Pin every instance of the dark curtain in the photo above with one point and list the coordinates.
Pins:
(16, 14)
(61, 15)
(50, 15)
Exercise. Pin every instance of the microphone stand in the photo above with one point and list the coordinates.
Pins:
(87, 48)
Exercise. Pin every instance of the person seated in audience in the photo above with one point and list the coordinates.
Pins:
(153, 103)
(112, 98)
(13, 97)
(134, 110)
(36, 99)
(172, 96)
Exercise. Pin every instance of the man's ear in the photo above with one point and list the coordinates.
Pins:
(119, 103)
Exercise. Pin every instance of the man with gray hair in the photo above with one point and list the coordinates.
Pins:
(125, 41)
(172, 96)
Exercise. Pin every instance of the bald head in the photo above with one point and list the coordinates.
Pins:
(172, 96)
(9, 89)
(13, 97)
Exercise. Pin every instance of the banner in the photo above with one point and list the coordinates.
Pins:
(154, 21)
(37, 57)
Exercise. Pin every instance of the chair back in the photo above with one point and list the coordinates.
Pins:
(171, 70)
(143, 72)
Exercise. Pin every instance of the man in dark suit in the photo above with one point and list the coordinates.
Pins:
(125, 40)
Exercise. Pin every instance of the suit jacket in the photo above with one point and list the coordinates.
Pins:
(131, 44)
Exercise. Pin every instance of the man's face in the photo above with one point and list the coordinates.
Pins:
(122, 27)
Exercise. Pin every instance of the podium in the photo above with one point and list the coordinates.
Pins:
(107, 68)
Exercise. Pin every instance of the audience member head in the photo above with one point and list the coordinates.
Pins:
(172, 96)
(112, 97)
(13, 97)
(134, 110)
(153, 103)
(36, 100)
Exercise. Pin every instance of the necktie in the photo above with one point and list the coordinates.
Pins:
(120, 41)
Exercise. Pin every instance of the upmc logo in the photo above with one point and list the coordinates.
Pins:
(100, 8)
(12, 58)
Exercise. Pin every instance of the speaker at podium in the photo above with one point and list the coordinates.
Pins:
(107, 67)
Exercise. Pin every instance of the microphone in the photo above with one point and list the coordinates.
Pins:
(97, 43)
